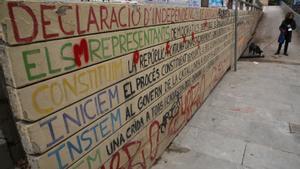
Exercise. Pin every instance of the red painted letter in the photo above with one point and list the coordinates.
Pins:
(47, 22)
(92, 19)
(61, 23)
(103, 17)
(79, 50)
(78, 21)
(30, 38)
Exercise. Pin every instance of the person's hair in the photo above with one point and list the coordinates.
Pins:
(287, 16)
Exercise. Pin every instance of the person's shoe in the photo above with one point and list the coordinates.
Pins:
(285, 54)
(277, 53)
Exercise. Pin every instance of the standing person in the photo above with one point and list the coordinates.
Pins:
(286, 28)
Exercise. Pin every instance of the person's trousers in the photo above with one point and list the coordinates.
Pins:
(286, 46)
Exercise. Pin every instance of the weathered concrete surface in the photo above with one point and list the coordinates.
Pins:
(267, 35)
(244, 123)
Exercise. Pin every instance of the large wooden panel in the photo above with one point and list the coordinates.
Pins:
(36, 133)
(97, 85)
(65, 155)
(27, 22)
(161, 126)
(36, 62)
(51, 95)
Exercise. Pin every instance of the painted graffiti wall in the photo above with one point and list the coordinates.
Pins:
(108, 86)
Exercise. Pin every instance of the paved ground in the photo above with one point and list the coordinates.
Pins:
(244, 124)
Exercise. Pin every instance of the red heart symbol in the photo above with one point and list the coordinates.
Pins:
(136, 57)
(79, 50)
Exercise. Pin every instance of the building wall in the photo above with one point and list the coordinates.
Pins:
(103, 85)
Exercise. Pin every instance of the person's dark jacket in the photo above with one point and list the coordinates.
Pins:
(285, 25)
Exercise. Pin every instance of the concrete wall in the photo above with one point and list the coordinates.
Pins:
(286, 9)
(102, 85)
(11, 150)
(4, 151)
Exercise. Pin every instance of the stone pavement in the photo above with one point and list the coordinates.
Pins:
(244, 123)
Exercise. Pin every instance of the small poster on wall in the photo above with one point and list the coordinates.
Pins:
(185, 3)
(216, 3)
(194, 3)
